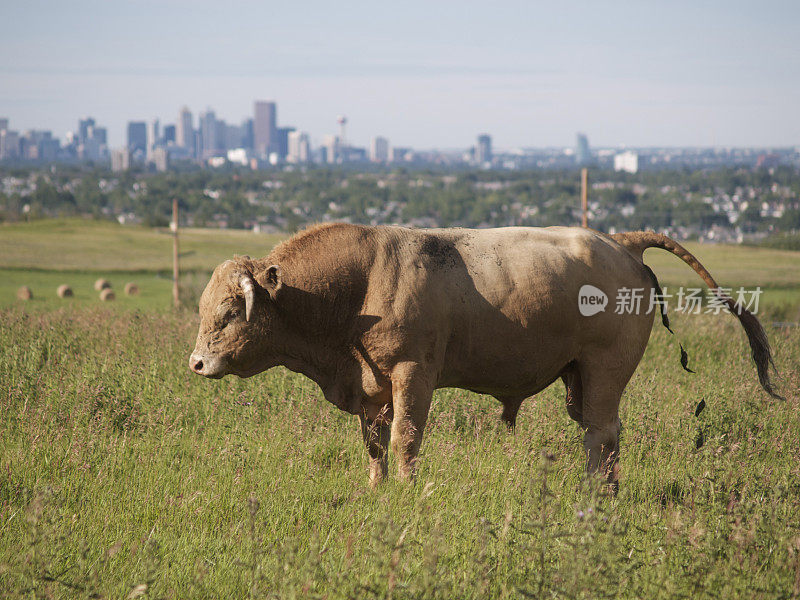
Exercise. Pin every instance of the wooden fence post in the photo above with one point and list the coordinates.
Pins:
(175, 271)
(585, 197)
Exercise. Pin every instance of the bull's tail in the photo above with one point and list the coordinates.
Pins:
(636, 242)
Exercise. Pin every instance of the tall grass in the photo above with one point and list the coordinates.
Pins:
(124, 475)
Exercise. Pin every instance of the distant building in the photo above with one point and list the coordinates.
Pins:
(100, 134)
(120, 160)
(3, 123)
(169, 134)
(84, 126)
(397, 154)
(626, 161)
(355, 154)
(583, 154)
(265, 128)
(161, 159)
(239, 156)
(49, 149)
(483, 151)
(221, 137)
(282, 145)
(768, 161)
(38, 146)
(379, 149)
(208, 133)
(28, 148)
(233, 137)
(137, 136)
(299, 147)
(184, 130)
(153, 138)
(9, 144)
(91, 150)
(247, 134)
(333, 149)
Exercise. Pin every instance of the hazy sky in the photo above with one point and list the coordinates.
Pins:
(424, 74)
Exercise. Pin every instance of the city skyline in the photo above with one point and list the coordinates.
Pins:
(721, 74)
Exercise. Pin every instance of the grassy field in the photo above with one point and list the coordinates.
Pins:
(75, 244)
(124, 475)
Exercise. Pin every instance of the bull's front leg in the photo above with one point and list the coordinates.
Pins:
(411, 398)
(376, 432)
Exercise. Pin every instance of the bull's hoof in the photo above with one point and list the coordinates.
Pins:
(376, 477)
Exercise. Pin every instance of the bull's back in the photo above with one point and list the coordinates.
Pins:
(514, 314)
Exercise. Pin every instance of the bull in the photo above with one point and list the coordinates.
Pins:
(380, 317)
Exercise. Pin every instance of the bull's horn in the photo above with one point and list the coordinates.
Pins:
(249, 294)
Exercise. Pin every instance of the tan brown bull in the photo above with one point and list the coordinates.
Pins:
(380, 317)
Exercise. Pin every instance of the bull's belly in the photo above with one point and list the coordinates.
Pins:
(507, 366)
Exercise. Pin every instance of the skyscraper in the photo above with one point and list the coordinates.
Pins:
(184, 130)
(483, 152)
(282, 141)
(208, 132)
(583, 155)
(221, 137)
(84, 128)
(247, 134)
(153, 137)
(299, 150)
(265, 128)
(9, 144)
(333, 149)
(169, 134)
(379, 149)
(137, 136)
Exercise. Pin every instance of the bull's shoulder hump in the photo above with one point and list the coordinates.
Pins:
(320, 235)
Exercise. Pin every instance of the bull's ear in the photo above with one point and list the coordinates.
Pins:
(273, 283)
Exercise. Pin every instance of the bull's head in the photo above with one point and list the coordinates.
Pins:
(237, 315)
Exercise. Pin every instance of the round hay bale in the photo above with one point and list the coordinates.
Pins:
(131, 289)
(107, 295)
(25, 293)
(64, 291)
(101, 284)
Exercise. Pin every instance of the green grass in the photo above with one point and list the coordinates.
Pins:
(75, 244)
(155, 291)
(45, 254)
(731, 266)
(120, 468)
(121, 471)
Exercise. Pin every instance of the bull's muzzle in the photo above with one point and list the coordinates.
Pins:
(207, 366)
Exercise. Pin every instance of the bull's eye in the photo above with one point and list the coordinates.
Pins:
(228, 317)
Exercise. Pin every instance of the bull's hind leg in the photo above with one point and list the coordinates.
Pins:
(602, 384)
(411, 394)
(376, 434)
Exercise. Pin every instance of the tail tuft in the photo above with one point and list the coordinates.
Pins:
(759, 345)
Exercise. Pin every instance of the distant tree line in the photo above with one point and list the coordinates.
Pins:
(750, 200)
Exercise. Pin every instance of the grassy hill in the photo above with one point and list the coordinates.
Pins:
(75, 244)
(46, 254)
